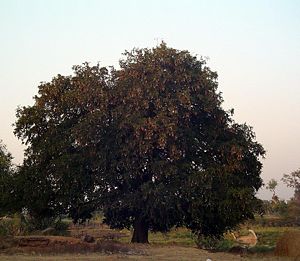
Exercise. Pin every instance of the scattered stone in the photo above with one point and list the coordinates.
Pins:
(88, 238)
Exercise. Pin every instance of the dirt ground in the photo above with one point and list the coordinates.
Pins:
(147, 253)
(108, 246)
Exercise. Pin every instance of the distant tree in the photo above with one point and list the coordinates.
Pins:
(7, 193)
(272, 184)
(149, 143)
(5, 169)
(293, 180)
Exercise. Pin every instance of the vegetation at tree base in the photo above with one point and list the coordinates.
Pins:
(149, 144)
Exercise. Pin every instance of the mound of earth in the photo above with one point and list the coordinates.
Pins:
(289, 244)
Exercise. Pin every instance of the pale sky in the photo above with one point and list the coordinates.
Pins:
(253, 45)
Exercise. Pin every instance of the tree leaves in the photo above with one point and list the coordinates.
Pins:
(149, 142)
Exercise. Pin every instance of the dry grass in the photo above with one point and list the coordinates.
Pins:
(289, 244)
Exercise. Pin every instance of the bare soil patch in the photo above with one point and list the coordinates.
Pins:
(150, 253)
(42, 245)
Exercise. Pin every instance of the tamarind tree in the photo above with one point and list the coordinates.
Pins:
(148, 143)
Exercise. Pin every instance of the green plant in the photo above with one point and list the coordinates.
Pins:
(61, 227)
(207, 242)
(12, 226)
(224, 245)
(34, 224)
(261, 249)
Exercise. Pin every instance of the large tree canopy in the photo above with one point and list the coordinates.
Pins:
(148, 143)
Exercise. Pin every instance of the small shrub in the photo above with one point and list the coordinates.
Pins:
(34, 224)
(12, 226)
(23, 225)
(224, 245)
(216, 244)
(207, 242)
(61, 228)
(261, 249)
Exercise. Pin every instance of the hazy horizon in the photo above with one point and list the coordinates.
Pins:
(254, 46)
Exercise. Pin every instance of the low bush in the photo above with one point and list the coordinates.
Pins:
(12, 226)
(61, 227)
(17, 225)
(36, 224)
(207, 242)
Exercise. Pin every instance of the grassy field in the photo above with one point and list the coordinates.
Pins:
(267, 236)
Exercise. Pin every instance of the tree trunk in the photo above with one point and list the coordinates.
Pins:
(140, 232)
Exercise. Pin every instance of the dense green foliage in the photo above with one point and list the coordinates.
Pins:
(58, 174)
(8, 195)
(148, 143)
